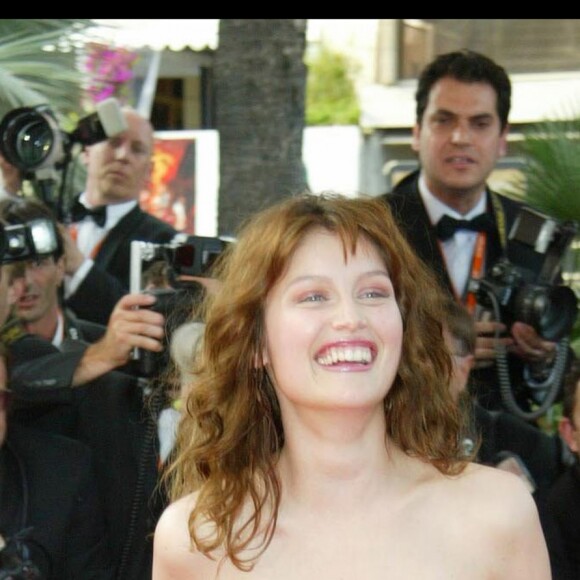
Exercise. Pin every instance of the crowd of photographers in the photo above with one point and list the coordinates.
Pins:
(87, 358)
(74, 377)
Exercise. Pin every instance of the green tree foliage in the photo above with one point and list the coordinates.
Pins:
(330, 93)
(32, 75)
(551, 185)
(552, 172)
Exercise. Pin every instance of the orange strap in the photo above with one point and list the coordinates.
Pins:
(476, 268)
(97, 248)
(74, 234)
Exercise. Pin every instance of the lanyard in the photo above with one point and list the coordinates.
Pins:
(478, 261)
(476, 268)
(74, 234)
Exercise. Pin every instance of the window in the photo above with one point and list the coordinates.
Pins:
(416, 47)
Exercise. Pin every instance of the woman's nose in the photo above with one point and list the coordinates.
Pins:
(349, 316)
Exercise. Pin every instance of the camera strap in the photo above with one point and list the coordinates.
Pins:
(477, 263)
(499, 218)
(478, 260)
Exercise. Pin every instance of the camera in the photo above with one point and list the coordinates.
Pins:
(185, 255)
(176, 306)
(28, 241)
(524, 285)
(31, 140)
(30, 137)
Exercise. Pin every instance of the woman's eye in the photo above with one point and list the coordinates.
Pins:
(375, 293)
(313, 297)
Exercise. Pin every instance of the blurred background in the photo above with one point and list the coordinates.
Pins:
(250, 110)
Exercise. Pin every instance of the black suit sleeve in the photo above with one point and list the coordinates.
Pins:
(39, 372)
(65, 509)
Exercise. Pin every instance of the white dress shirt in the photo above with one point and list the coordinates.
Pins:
(90, 235)
(458, 249)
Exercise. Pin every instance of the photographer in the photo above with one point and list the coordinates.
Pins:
(463, 102)
(98, 252)
(117, 149)
(90, 392)
(51, 519)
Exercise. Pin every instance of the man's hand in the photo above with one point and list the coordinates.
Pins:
(131, 325)
(73, 257)
(524, 342)
(490, 335)
(529, 345)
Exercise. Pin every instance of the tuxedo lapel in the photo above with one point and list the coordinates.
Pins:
(407, 206)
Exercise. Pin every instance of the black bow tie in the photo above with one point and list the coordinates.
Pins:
(79, 212)
(447, 225)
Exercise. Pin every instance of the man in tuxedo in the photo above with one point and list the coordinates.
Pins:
(462, 105)
(107, 218)
(82, 392)
(48, 495)
(88, 392)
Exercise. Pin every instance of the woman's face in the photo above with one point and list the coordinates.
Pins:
(333, 328)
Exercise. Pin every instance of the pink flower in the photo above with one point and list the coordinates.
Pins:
(109, 70)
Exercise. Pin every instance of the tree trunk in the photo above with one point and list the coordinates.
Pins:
(260, 86)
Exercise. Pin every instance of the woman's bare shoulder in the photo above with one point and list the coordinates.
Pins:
(496, 485)
(497, 508)
(172, 529)
(173, 550)
(179, 510)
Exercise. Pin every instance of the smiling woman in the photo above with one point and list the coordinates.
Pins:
(322, 401)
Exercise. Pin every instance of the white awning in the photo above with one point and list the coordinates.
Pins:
(158, 33)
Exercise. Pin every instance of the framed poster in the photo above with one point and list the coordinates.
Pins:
(183, 186)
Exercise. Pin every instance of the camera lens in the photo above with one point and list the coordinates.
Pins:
(34, 143)
(550, 310)
(30, 138)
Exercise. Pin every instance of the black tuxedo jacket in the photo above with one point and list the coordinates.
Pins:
(410, 213)
(109, 279)
(41, 375)
(118, 421)
(115, 417)
(48, 483)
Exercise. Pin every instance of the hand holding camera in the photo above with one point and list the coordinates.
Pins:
(133, 324)
(525, 285)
